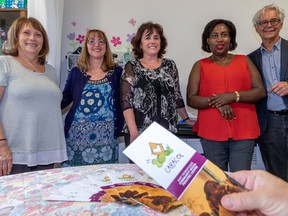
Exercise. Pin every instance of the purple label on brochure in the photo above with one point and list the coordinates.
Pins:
(97, 196)
(107, 186)
(151, 185)
(124, 184)
(186, 175)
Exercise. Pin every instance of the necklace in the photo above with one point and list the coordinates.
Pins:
(29, 64)
(33, 66)
(96, 74)
(226, 58)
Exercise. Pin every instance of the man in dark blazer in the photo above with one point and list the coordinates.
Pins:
(271, 59)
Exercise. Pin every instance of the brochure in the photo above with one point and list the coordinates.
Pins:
(130, 187)
(185, 173)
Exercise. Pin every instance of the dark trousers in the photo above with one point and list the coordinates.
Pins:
(20, 168)
(232, 155)
(274, 145)
(127, 143)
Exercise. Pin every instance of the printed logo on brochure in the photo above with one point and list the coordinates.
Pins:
(160, 153)
(126, 177)
(106, 179)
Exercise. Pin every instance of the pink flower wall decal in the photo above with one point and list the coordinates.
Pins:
(116, 41)
(132, 21)
(74, 23)
(80, 38)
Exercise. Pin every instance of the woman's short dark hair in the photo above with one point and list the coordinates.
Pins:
(209, 28)
(150, 27)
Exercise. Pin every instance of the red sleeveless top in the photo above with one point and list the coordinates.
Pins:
(215, 79)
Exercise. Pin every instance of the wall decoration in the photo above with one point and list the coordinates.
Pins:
(116, 41)
(75, 41)
(74, 23)
(119, 46)
(80, 38)
(132, 21)
(74, 44)
(129, 37)
(13, 4)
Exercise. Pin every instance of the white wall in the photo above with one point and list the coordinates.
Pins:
(183, 22)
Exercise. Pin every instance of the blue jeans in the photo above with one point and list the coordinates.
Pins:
(237, 154)
(274, 145)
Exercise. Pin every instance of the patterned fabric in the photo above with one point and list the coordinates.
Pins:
(154, 95)
(91, 139)
(24, 194)
(72, 93)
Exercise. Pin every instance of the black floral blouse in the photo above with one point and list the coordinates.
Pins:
(154, 95)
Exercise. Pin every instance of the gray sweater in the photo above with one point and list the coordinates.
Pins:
(30, 114)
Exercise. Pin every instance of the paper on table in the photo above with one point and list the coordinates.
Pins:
(81, 191)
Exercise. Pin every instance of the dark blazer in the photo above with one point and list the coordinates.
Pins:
(74, 86)
(256, 57)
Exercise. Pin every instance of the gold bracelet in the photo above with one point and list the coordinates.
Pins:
(237, 96)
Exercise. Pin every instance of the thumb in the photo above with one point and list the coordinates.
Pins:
(243, 201)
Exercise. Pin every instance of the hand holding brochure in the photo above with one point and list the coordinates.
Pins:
(182, 171)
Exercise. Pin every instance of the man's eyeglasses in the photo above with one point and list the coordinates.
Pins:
(94, 41)
(273, 22)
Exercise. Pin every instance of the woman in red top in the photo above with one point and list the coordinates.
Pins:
(224, 88)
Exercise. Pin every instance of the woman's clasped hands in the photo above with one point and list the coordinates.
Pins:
(222, 103)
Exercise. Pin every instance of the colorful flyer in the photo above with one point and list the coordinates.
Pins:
(81, 191)
(182, 171)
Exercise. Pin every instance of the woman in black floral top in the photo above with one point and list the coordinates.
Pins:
(150, 88)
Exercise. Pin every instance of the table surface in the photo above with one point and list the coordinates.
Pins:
(22, 194)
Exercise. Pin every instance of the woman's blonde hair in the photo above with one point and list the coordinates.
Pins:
(84, 62)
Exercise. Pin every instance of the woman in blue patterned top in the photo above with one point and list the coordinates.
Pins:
(150, 88)
(94, 120)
